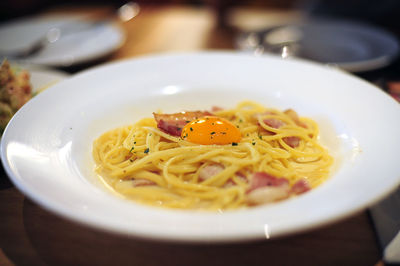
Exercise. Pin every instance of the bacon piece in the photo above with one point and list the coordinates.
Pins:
(210, 171)
(173, 123)
(267, 194)
(272, 122)
(265, 188)
(292, 141)
(300, 187)
(276, 123)
(139, 182)
(295, 117)
(216, 109)
(262, 179)
(173, 128)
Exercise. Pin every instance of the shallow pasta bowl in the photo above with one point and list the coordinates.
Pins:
(47, 147)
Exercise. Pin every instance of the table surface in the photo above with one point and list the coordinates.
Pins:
(30, 235)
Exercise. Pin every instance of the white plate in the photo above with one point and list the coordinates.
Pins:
(352, 46)
(46, 148)
(80, 43)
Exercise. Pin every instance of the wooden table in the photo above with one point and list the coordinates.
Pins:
(30, 235)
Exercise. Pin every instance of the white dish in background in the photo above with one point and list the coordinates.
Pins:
(350, 45)
(43, 78)
(82, 42)
(50, 160)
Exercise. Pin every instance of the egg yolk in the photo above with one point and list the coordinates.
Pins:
(211, 130)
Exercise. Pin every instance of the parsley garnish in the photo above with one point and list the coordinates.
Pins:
(146, 150)
(234, 144)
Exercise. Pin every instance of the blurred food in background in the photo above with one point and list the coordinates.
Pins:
(393, 88)
(15, 91)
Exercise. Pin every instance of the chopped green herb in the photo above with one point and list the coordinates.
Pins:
(146, 150)
(234, 144)
(132, 149)
(212, 133)
(253, 143)
(191, 129)
(131, 160)
(260, 137)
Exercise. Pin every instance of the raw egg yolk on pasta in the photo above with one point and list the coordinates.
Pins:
(211, 130)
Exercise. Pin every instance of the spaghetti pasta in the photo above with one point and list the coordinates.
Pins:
(278, 156)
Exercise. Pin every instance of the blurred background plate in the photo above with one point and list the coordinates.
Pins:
(352, 46)
(85, 41)
(42, 78)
